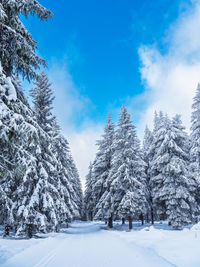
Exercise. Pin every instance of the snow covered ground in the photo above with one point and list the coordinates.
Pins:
(92, 245)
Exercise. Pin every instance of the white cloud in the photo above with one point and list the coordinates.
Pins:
(69, 103)
(171, 78)
(83, 147)
(70, 107)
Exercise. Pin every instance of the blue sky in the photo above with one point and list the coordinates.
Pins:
(102, 54)
(99, 41)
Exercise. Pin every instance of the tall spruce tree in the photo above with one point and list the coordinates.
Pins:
(19, 141)
(17, 47)
(88, 200)
(195, 146)
(102, 163)
(77, 196)
(147, 156)
(66, 171)
(155, 168)
(172, 190)
(43, 97)
(178, 188)
(56, 158)
(125, 194)
(38, 195)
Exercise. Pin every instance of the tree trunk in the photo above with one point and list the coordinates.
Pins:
(7, 230)
(123, 221)
(30, 230)
(110, 222)
(130, 222)
(147, 217)
(152, 216)
(91, 217)
(142, 219)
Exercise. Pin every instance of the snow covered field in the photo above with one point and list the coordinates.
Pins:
(92, 245)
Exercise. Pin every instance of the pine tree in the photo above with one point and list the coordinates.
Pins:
(62, 174)
(9, 132)
(126, 193)
(155, 168)
(172, 189)
(36, 198)
(147, 156)
(58, 210)
(88, 200)
(30, 199)
(102, 164)
(78, 193)
(17, 47)
(69, 206)
(19, 135)
(177, 188)
(43, 99)
(195, 146)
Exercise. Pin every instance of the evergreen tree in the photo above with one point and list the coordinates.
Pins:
(70, 205)
(62, 174)
(126, 193)
(17, 47)
(102, 164)
(55, 203)
(147, 156)
(18, 137)
(37, 190)
(88, 200)
(155, 169)
(172, 189)
(195, 146)
(178, 188)
(77, 189)
(43, 99)
(9, 132)
(36, 199)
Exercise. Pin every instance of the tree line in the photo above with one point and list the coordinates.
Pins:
(40, 189)
(159, 180)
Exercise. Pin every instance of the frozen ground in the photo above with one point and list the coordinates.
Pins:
(90, 245)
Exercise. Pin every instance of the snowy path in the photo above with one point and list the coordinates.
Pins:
(86, 245)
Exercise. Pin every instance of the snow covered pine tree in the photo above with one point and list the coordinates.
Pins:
(147, 156)
(194, 169)
(101, 167)
(19, 137)
(171, 188)
(62, 175)
(125, 194)
(17, 47)
(88, 201)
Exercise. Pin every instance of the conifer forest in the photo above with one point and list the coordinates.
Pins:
(136, 186)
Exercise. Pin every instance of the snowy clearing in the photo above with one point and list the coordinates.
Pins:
(90, 244)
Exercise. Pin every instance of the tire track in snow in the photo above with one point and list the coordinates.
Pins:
(49, 257)
(44, 261)
(148, 249)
